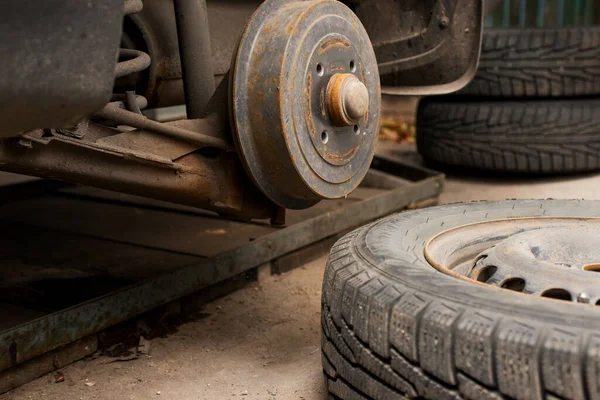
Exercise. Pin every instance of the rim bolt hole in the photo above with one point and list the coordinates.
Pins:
(352, 66)
(324, 137)
(320, 69)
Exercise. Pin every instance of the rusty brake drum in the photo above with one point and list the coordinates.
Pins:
(305, 99)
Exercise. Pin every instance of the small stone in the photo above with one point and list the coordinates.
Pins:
(59, 377)
(245, 393)
(144, 346)
(158, 393)
(90, 383)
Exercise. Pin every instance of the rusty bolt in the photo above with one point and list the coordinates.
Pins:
(444, 21)
(347, 99)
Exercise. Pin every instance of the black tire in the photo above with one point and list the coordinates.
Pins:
(393, 327)
(538, 63)
(533, 137)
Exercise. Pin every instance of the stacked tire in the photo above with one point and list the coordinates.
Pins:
(533, 106)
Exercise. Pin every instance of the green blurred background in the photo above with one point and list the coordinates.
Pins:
(543, 13)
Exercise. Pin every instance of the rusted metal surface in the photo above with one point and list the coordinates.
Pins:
(214, 181)
(195, 53)
(131, 61)
(347, 99)
(154, 30)
(284, 133)
(550, 257)
(15, 377)
(173, 161)
(305, 100)
(187, 162)
(423, 47)
(150, 142)
(31, 339)
(115, 113)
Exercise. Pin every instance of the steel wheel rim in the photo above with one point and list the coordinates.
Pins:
(550, 257)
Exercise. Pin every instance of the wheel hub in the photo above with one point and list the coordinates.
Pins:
(347, 99)
(305, 101)
(551, 257)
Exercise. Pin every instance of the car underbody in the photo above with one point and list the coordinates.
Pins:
(282, 98)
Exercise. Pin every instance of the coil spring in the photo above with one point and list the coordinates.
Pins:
(130, 62)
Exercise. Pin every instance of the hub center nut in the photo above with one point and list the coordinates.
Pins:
(347, 99)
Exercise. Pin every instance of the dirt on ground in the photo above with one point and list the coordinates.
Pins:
(262, 342)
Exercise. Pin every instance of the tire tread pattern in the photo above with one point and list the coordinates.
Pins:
(562, 62)
(539, 137)
(435, 350)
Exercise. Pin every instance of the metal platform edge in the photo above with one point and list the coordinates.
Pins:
(45, 334)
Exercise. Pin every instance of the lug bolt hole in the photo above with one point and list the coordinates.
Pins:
(320, 70)
(352, 66)
(324, 137)
(356, 129)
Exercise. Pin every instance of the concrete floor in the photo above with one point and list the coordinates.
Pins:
(261, 342)
(461, 188)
